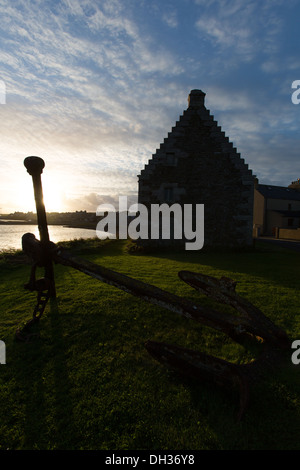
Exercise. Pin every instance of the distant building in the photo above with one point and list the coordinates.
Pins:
(196, 164)
(277, 210)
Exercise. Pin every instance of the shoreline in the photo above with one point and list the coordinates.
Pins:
(25, 222)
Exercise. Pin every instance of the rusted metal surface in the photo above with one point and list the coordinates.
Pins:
(35, 166)
(38, 250)
(251, 319)
(203, 367)
(248, 323)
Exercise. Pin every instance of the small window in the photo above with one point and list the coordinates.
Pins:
(290, 222)
(289, 207)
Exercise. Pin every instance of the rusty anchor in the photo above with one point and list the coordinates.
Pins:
(250, 325)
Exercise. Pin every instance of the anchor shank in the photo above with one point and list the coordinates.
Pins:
(34, 166)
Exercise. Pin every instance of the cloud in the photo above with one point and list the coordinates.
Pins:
(170, 18)
(91, 202)
(241, 26)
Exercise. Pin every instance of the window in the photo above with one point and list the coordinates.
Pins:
(290, 222)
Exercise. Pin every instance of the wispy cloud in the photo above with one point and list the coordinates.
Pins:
(245, 27)
(76, 81)
(170, 18)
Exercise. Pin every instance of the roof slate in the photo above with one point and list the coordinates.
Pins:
(278, 192)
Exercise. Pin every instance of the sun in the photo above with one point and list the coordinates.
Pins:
(52, 194)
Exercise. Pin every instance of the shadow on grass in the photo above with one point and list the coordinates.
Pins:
(43, 382)
(276, 264)
(270, 421)
(29, 391)
(65, 430)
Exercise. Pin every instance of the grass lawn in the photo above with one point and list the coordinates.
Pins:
(88, 382)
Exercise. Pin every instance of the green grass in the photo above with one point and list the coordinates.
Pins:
(88, 382)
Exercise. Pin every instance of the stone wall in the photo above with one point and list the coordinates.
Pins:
(289, 234)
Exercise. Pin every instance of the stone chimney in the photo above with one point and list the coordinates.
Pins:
(196, 99)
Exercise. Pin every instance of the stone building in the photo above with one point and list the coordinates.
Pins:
(277, 210)
(197, 164)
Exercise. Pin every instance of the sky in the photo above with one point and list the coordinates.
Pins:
(94, 87)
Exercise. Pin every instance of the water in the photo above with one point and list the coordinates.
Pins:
(11, 235)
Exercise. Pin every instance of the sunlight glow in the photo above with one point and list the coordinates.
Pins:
(52, 193)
